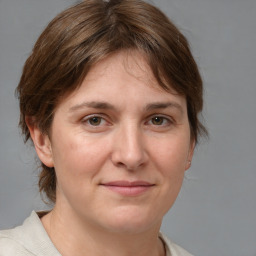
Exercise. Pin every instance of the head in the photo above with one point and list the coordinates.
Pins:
(85, 34)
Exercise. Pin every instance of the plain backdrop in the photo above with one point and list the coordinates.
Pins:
(215, 213)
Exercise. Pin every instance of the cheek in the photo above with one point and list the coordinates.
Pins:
(77, 155)
(170, 154)
(77, 163)
(169, 161)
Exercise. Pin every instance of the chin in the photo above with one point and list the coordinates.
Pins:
(131, 221)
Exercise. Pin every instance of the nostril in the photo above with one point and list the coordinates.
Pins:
(130, 164)
(120, 164)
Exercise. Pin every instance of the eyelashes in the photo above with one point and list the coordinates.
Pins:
(101, 122)
(95, 121)
(159, 120)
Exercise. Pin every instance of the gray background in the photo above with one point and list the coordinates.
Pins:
(215, 213)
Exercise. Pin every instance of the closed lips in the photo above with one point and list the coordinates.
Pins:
(128, 183)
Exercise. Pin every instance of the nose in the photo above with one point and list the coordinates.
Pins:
(129, 150)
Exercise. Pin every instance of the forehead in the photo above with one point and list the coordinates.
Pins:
(121, 75)
(131, 62)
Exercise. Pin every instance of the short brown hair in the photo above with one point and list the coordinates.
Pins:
(86, 33)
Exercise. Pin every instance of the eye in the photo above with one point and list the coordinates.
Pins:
(95, 120)
(160, 121)
(157, 120)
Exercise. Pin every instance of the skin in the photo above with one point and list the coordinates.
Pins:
(118, 126)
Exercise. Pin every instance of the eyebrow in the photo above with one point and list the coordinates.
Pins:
(91, 104)
(163, 105)
(105, 105)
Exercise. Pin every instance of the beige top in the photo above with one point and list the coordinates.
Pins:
(31, 239)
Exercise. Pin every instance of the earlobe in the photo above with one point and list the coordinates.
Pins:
(190, 155)
(41, 142)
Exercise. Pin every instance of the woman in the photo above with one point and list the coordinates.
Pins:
(110, 97)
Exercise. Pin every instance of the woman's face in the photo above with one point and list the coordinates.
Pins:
(120, 146)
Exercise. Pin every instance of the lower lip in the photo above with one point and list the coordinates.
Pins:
(129, 191)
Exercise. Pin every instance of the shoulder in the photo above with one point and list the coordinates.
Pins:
(173, 249)
(10, 246)
(26, 240)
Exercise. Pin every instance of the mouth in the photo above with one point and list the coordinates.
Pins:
(128, 188)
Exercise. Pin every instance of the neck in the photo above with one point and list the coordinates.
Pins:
(72, 236)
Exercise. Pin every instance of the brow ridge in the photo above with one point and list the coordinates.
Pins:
(163, 105)
(106, 105)
(92, 104)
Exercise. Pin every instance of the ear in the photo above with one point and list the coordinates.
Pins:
(190, 154)
(42, 143)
